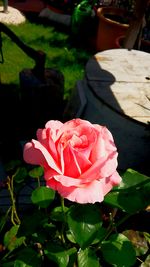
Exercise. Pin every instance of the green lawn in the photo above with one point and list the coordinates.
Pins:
(60, 54)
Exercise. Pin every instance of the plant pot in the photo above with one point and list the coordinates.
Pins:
(112, 24)
(145, 44)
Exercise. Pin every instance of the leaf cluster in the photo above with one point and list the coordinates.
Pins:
(56, 232)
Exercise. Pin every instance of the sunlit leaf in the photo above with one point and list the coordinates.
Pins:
(57, 214)
(147, 237)
(84, 223)
(43, 196)
(132, 195)
(132, 178)
(59, 254)
(11, 241)
(87, 258)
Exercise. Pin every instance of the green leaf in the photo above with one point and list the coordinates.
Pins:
(57, 214)
(112, 200)
(119, 251)
(59, 254)
(70, 237)
(100, 235)
(28, 258)
(132, 195)
(138, 240)
(147, 237)
(84, 223)
(132, 178)
(10, 239)
(87, 258)
(20, 175)
(43, 196)
(36, 172)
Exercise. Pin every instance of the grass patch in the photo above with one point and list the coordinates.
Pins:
(56, 44)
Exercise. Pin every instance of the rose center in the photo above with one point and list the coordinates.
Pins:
(74, 140)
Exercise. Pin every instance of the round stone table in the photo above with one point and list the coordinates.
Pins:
(116, 92)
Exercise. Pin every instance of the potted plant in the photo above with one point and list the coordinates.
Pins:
(112, 23)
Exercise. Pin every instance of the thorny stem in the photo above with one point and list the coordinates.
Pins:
(14, 216)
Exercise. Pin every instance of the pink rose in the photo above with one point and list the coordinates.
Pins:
(79, 159)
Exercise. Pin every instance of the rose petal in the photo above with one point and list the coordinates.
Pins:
(109, 165)
(91, 193)
(36, 153)
(68, 181)
(82, 161)
(105, 144)
(54, 126)
(44, 137)
(100, 169)
(73, 161)
(49, 173)
(52, 183)
(33, 156)
(109, 182)
(73, 124)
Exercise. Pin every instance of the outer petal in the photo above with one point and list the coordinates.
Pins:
(33, 156)
(67, 181)
(49, 173)
(109, 164)
(105, 144)
(37, 154)
(52, 184)
(109, 182)
(45, 138)
(91, 193)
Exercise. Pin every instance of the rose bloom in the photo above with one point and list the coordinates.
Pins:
(79, 159)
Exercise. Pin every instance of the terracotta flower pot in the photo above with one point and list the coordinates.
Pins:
(110, 26)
